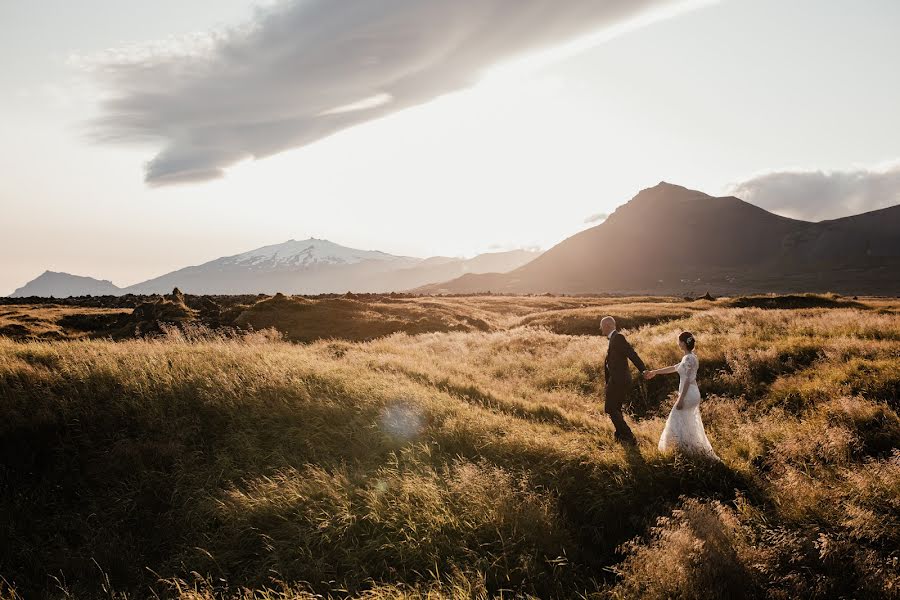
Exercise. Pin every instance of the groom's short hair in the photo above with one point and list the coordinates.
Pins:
(608, 321)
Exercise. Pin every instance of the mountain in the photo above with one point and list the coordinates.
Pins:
(317, 266)
(63, 285)
(672, 240)
(436, 269)
(310, 266)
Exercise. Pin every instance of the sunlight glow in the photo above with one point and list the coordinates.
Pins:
(543, 58)
(371, 102)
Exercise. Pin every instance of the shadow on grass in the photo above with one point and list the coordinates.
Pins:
(95, 477)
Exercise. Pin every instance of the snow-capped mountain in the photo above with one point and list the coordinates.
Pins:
(310, 266)
(307, 253)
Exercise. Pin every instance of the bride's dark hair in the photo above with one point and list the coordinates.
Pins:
(688, 338)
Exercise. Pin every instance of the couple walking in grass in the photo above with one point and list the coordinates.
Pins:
(684, 428)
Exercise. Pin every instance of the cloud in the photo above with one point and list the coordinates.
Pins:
(597, 218)
(822, 195)
(301, 70)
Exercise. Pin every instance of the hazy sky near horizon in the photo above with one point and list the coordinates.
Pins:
(372, 134)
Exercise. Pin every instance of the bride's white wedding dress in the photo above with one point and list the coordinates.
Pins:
(684, 428)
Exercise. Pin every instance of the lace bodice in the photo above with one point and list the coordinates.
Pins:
(687, 369)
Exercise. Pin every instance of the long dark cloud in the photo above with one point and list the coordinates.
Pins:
(304, 69)
(821, 195)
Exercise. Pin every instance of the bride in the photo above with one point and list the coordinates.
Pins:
(684, 427)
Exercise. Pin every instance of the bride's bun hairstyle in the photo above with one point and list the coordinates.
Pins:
(688, 338)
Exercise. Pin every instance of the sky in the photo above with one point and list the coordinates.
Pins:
(144, 137)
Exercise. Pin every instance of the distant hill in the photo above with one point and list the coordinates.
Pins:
(441, 269)
(63, 285)
(310, 266)
(672, 240)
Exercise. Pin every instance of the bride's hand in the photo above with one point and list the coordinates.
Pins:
(649, 374)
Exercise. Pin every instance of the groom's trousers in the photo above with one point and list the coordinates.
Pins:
(615, 398)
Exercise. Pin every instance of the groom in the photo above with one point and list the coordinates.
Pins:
(618, 378)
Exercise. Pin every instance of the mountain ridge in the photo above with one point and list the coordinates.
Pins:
(310, 266)
(669, 239)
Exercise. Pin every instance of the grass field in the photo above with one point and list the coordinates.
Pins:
(465, 456)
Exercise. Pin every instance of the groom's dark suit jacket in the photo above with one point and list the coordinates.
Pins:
(616, 366)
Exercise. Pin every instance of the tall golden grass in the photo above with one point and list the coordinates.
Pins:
(455, 464)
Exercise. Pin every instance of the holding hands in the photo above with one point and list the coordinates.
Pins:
(651, 373)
